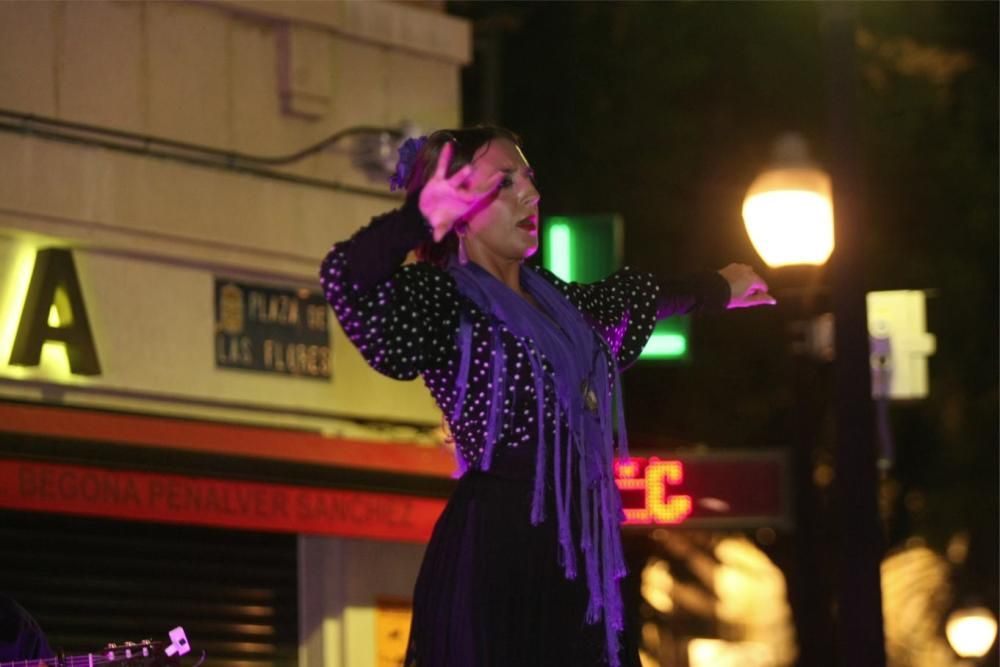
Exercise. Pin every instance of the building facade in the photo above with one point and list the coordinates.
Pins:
(171, 174)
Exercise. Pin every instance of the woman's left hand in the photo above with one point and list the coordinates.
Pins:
(746, 288)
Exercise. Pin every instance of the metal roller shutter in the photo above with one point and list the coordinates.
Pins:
(91, 581)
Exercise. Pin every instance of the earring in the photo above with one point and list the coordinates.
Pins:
(463, 257)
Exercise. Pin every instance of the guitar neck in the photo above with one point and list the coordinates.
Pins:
(118, 656)
(88, 660)
(128, 654)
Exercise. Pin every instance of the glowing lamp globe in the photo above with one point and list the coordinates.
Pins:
(788, 209)
(971, 631)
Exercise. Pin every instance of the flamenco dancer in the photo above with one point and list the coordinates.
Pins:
(524, 565)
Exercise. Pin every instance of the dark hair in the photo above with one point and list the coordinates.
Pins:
(466, 143)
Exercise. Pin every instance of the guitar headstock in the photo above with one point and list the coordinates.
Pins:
(131, 653)
(178, 643)
(148, 651)
(126, 654)
(143, 653)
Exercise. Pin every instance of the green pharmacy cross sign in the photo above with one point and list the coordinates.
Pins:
(588, 248)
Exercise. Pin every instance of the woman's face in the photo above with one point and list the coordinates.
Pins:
(506, 227)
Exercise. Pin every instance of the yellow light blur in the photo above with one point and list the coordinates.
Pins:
(788, 209)
(971, 631)
(916, 587)
(656, 586)
(752, 595)
(721, 653)
(647, 660)
(790, 226)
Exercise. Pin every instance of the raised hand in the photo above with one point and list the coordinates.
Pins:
(747, 289)
(446, 200)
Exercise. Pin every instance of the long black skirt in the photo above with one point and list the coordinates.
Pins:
(491, 591)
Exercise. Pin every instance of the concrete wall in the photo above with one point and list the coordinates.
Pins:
(149, 235)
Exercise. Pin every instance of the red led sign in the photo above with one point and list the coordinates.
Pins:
(730, 489)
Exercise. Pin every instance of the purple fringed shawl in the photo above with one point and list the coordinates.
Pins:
(582, 365)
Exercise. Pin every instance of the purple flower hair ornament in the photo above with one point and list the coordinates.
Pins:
(407, 158)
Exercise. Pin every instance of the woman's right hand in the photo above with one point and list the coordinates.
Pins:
(445, 200)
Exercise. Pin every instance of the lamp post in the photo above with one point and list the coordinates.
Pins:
(860, 637)
(788, 214)
(858, 629)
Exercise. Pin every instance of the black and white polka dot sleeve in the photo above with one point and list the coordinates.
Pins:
(403, 319)
(704, 292)
(622, 308)
(625, 306)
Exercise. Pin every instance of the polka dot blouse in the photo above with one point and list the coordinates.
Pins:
(404, 319)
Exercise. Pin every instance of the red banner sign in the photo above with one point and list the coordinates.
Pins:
(215, 502)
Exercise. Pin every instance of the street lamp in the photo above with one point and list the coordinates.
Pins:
(788, 210)
(858, 636)
(971, 631)
(788, 214)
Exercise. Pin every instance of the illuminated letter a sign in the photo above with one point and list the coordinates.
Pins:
(54, 283)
